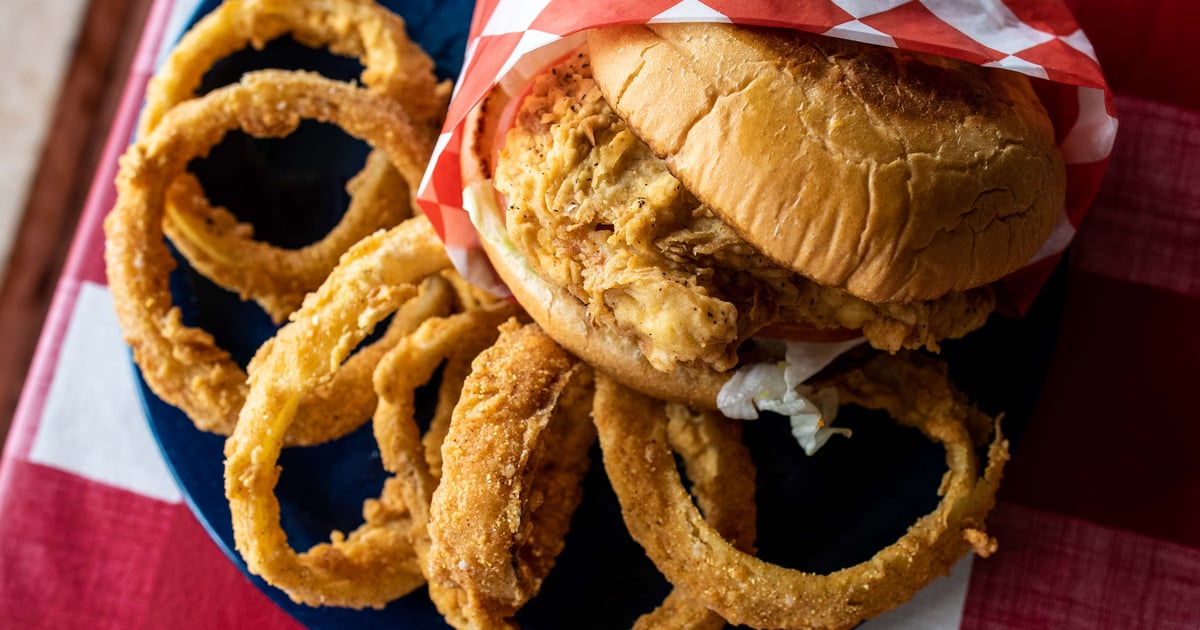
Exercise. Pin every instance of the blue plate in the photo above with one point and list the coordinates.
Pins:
(866, 491)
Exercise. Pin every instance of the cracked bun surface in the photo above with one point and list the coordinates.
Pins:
(891, 175)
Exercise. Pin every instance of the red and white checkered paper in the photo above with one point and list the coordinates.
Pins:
(512, 40)
(1098, 522)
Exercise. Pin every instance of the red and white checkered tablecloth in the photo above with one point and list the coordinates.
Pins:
(1100, 513)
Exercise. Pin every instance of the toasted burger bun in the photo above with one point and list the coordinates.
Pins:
(895, 210)
(893, 176)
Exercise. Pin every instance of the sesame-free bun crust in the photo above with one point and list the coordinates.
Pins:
(564, 317)
(893, 176)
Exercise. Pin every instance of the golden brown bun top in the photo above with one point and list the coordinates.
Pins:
(894, 176)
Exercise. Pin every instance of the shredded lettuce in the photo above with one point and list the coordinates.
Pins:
(779, 388)
(479, 200)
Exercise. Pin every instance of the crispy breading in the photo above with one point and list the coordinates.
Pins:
(512, 465)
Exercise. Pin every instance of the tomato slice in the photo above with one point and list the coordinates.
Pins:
(804, 331)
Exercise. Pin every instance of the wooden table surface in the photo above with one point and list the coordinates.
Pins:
(80, 122)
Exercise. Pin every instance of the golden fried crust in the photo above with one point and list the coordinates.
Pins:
(183, 365)
(895, 176)
(561, 315)
(222, 248)
(346, 401)
(392, 64)
(375, 564)
(512, 464)
(211, 238)
(721, 473)
(747, 590)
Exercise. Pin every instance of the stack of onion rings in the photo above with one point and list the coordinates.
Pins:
(369, 568)
(379, 561)
(183, 365)
(211, 238)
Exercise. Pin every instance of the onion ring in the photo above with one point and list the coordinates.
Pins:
(370, 567)
(392, 64)
(456, 369)
(341, 405)
(211, 238)
(514, 460)
(224, 250)
(410, 364)
(746, 590)
(456, 339)
(183, 365)
(722, 476)
(401, 449)
(454, 376)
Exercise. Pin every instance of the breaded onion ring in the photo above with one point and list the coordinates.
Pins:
(392, 64)
(514, 460)
(746, 590)
(454, 375)
(455, 370)
(371, 567)
(396, 431)
(341, 405)
(412, 363)
(225, 251)
(183, 365)
(722, 476)
(457, 367)
(212, 239)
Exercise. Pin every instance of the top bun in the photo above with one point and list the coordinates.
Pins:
(891, 175)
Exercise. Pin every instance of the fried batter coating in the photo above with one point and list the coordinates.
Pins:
(513, 463)
(211, 238)
(456, 369)
(746, 590)
(392, 64)
(183, 365)
(224, 250)
(722, 476)
(594, 211)
(341, 405)
(373, 565)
